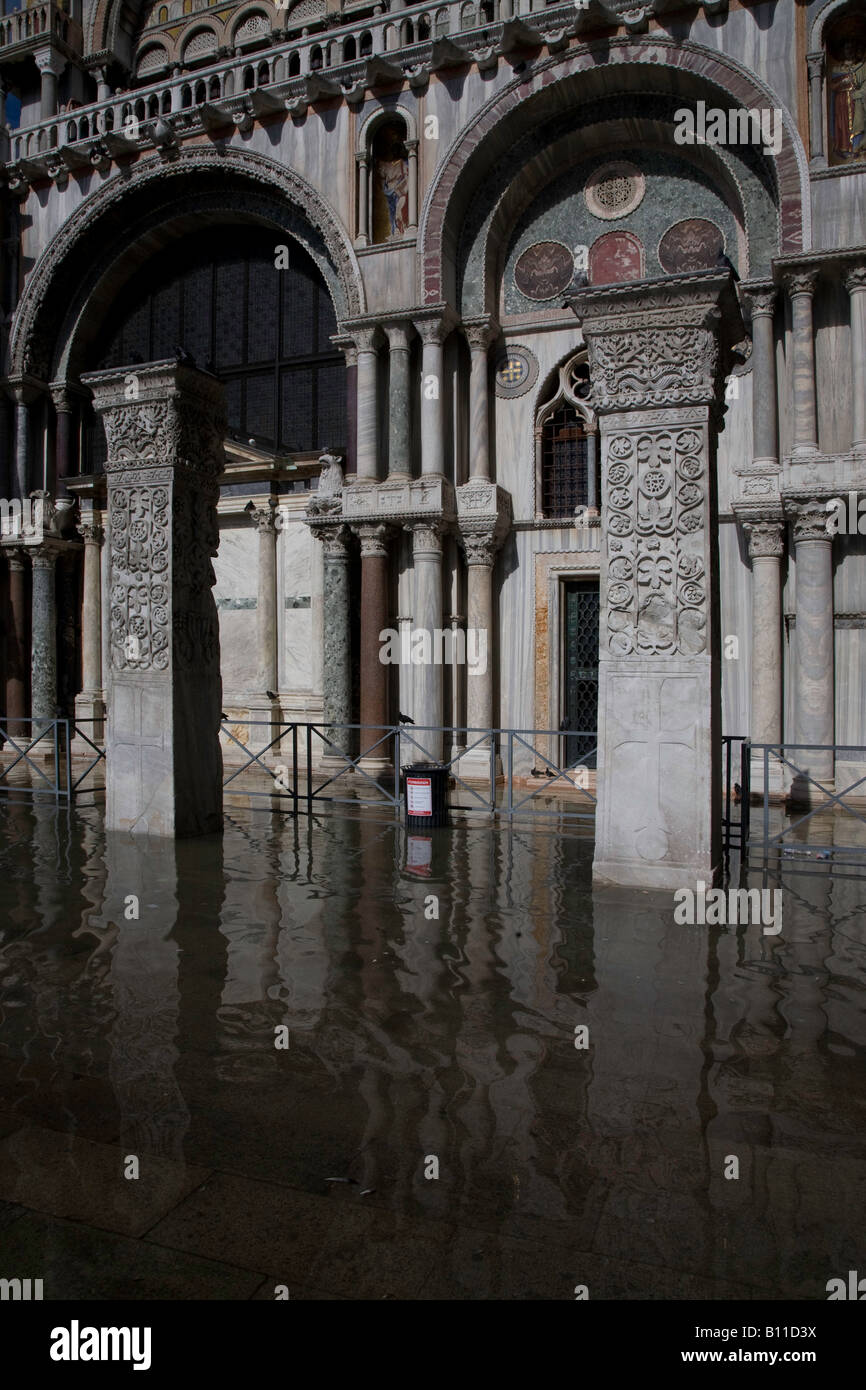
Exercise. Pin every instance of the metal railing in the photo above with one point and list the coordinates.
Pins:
(36, 758)
(342, 758)
(799, 787)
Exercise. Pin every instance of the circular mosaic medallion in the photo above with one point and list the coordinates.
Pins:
(544, 270)
(614, 190)
(694, 244)
(516, 372)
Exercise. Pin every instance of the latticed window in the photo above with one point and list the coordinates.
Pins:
(264, 332)
(563, 463)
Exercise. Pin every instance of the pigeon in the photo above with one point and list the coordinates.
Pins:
(271, 696)
(724, 263)
(185, 358)
(404, 719)
(738, 792)
(224, 716)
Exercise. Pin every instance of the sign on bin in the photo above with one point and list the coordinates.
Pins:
(419, 796)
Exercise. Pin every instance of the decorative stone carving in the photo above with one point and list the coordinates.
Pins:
(761, 301)
(165, 455)
(810, 520)
(766, 538)
(693, 244)
(615, 190)
(801, 281)
(374, 540)
(855, 279)
(656, 520)
(544, 270)
(480, 547)
(329, 497)
(516, 371)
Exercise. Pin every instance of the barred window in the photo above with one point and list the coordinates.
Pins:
(264, 332)
(563, 463)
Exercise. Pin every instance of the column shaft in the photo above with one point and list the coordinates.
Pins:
(765, 446)
(374, 618)
(815, 640)
(399, 403)
(266, 602)
(43, 622)
(432, 437)
(22, 449)
(368, 412)
(91, 611)
(479, 621)
(16, 644)
(815, 63)
(336, 655)
(801, 288)
(427, 560)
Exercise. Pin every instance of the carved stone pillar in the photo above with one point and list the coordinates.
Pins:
(480, 549)
(427, 562)
(374, 618)
(815, 64)
(362, 164)
(766, 548)
(43, 634)
(399, 402)
(657, 360)
(412, 154)
(336, 643)
(801, 288)
(855, 283)
(165, 455)
(368, 405)
(89, 703)
(765, 445)
(479, 334)
(433, 331)
(63, 408)
(17, 647)
(815, 644)
(264, 517)
(51, 66)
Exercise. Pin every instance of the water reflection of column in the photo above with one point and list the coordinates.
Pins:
(144, 980)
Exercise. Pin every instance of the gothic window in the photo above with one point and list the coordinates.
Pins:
(163, 15)
(563, 463)
(264, 332)
(390, 182)
(845, 45)
(566, 438)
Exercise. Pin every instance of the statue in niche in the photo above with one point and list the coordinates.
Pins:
(390, 183)
(847, 91)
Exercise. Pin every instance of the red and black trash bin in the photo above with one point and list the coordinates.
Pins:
(426, 795)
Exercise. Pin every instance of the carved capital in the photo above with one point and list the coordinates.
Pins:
(43, 557)
(335, 539)
(856, 279)
(810, 520)
(15, 558)
(435, 326)
(91, 532)
(480, 333)
(653, 366)
(398, 335)
(480, 547)
(426, 538)
(766, 538)
(762, 301)
(374, 540)
(365, 338)
(815, 64)
(801, 282)
(263, 515)
(48, 60)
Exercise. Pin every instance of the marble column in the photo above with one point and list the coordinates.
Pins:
(43, 635)
(89, 703)
(427, 564)
(50, 65)
(368, 405)
(801, 288)
(103, 90)
(815, 639)
(479, 335)
(658, 820)
(17, 646)
(433, 333)
(399, 402)
(63, 407)
(337, 650)
(480, 549)
(165, 457)
(766, 548)
(374, 618)
(264, 517)
(412, 154)
(765, 440)
(22, 444)
(362, 164)
(815, 64)
(855, 284)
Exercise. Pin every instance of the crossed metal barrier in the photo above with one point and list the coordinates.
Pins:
(45, 752)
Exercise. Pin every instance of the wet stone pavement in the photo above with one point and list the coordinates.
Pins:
(413, 1039)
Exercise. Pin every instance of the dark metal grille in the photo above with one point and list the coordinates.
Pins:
(581, 669)
(563, 464)
(264, 332)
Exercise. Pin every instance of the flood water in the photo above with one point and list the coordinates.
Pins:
(431, 989)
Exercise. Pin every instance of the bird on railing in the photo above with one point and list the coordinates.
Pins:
(270, 695)
(738, 793)
(404, 719)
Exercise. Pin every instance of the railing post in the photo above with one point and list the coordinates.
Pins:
(309, 728)
(746, 803)
(294, 770)
(510, 765)
(766, 752)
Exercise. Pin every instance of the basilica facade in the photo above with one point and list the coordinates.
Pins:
(536, 330)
